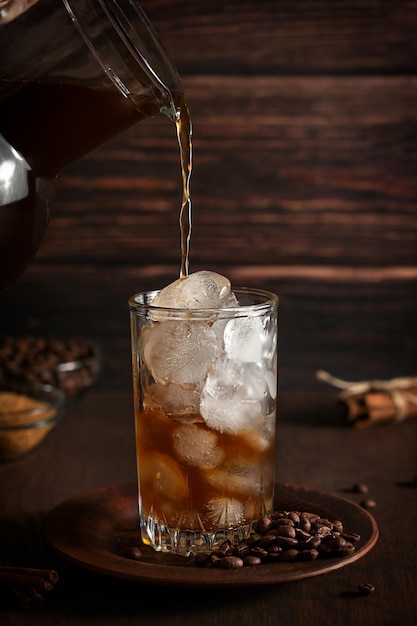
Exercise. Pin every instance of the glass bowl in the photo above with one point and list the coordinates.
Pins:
(72, 365)
(28, 412)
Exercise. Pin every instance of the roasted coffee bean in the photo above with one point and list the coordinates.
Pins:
(283, 521)
(294, 516)
(290, 555)
(286, 542)
(242, 550)
(304, 524)
(267, 541)
(277, 515)
(337, 526)
(251, 559)
(302, 535)
(264, 524)
(309, 555)
(351, 537)
(368, 503)
(360, 488)
(347, 549)
(311, 543)
(323, 531)
(225, 549)
(286, 531)
(259, 552)
(228, 562)
(312, 517)
(202, 558)
(336, 543)
(134, 553)
(366, 589)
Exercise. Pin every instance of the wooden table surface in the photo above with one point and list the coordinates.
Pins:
(94, 447)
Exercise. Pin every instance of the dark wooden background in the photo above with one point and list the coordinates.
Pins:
(304, 181)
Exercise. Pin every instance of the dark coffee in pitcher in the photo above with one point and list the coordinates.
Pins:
(73, 74)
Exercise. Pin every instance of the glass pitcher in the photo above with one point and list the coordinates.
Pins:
(73, 74)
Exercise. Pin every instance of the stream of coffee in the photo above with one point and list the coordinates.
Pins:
(184, 134)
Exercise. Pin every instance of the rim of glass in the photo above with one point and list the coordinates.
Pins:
(268, 300)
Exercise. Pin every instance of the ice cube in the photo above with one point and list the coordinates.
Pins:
(164, 474)
(271, 380)
(261, 437)
(176, 400)
(220, 323)
(228, 415)
(179, 352)
(244, 338)
(197, 446)
(225, 512)
(236, 477)
(200, 290)
(233, 396)
(223, 379)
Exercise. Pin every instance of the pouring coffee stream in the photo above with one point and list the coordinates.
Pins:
(84, 71)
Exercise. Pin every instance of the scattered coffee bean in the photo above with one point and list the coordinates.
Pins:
(366, 589)
(360, 488)
(133, 553)
(368, 504)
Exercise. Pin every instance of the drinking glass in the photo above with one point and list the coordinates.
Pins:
(205, 390)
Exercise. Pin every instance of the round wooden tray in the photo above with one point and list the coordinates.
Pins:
(93, 530)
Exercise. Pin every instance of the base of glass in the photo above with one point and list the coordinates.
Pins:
(179, 541)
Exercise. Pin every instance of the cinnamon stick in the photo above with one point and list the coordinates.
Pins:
(28, 577)
(366, 403)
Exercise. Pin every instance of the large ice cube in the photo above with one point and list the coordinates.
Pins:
(179, 352)
(228, 416)
(200, 290)
(223, 379)
(233, 396)
(176, 400)
(262, 436)
(236, 477)
(164, 474)
(244, 338)
(197, 446)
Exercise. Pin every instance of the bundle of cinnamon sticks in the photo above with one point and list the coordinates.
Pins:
(366, 403)
(26, 584)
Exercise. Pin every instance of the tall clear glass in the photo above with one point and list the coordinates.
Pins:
(205, 390)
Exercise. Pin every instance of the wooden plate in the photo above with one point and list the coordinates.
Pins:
(92, 531)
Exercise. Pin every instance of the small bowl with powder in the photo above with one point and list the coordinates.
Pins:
(27, 414)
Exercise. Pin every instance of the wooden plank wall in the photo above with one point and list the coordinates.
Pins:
(304, 181)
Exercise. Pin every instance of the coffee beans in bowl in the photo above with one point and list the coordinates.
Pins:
(71, 365)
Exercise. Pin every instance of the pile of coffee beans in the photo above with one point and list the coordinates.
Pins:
(71, 365)
(284, 536)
